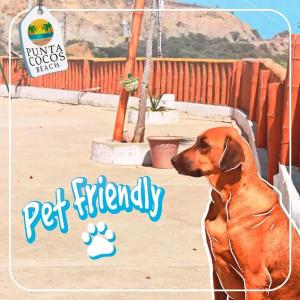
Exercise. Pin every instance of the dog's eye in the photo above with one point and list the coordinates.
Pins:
(203, 145)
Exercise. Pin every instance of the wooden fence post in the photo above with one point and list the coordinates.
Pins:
(101, 72)
(275, 114)
(209, 93)
(192, 83)
(180, 81)
(175, 80)
(186, 82)
(79, 75)
(236, 83)
(224, 83)
(229, 83)
(86, 74)
(169, 77)
(119, 75)
(217, 85)
(204, 84)
(262, 109)
(114, 78)
(248, 89)
(198, 83)
(253, 91)
(163, 86)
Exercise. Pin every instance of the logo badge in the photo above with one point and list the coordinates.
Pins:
(40, 32)
(41, 43)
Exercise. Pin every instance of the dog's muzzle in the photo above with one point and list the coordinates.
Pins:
(183, 166)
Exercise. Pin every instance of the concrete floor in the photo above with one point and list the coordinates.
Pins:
(51, 145)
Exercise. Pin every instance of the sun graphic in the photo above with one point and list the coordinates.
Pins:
(40, 32)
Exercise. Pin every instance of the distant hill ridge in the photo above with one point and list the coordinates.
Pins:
(104, 29)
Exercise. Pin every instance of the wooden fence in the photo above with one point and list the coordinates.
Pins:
(245, 84)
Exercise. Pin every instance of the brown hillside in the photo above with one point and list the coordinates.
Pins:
(104, 29)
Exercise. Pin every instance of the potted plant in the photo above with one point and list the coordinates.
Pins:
(155, 113)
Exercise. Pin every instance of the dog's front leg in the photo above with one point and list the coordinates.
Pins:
(219, 295)
(251, 295)
(255, 296)
(246, 248)
(258, 282)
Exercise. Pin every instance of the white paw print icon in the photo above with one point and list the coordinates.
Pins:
(99, 240)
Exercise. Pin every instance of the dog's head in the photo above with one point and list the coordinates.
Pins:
(216, 151)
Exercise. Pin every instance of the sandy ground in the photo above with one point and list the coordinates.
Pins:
(52, 145)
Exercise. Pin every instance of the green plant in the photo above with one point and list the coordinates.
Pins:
(154, 103)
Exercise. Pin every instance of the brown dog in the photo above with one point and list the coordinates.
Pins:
(247, 231)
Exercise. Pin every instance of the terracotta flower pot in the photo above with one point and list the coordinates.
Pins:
(163, 148)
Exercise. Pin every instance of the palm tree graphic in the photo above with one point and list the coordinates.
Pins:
(47, 27)
(32, 29)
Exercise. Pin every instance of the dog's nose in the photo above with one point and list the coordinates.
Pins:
(174, 160)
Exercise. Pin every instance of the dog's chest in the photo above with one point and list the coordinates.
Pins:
(219, 242)
(223, 258)
(217, 232)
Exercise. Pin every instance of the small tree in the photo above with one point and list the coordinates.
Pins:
(139, 132)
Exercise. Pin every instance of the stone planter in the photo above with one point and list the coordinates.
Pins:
(105, 151)
(155, 117)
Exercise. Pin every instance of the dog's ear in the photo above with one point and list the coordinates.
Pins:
(233, 155)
